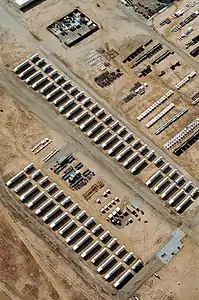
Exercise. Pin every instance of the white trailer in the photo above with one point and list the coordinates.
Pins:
(94, 128)
(79, 95)
(98, 255)
(53, 211)
(123, 152)
(60, 98)
(36, 55)
(35, 200)
(43, 180)
(153, 177)
(66, 83)
(158, 160)
(50, 187)
(46, 87)
(183, 203)
(52, 73)
(165, 166)
(74, 234)
(172, 173)
(46, 68)
(187, 185)
(81, 116)
(95, 105)
(108, 141)
(113, 271)
(130, 159)
(33, 76)
(21, 185)
(194, 192)
(43, 206)
(143, 148)
(29, 69)
(21, 65)
(15, 178)
(122, 129)
(96, 228)
(120, 250)
(36, 174)
(39, 62)
(105, 235)
(176, 196)
(81, 242)
(72, 111)
(74, 207)
(168, 190)
(86, 101)
(128, 136)
(28, 193)
(66, 227)
(114, 124)
(38, 82)
(65, 105)
(29, 167)
(58, 194)
(90, 249)
(66, 200)
(122, 278)
(150, 154)
(81, 215)
(107, 118)
(179, 179)
(135, 143)
(129, 256)
(89, 222)
(60, 77)
(161, 184)
(138, 165)
(54, 92)
(87, 122)
(59, 220)
(101, 134)
(112, 243)
(107, 262)
(115, 147)
(73, 89)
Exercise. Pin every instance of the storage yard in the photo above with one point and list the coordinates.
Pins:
(99, 150)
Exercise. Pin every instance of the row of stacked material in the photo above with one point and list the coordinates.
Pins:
(106, 131)
(172, 186)
(79, 230)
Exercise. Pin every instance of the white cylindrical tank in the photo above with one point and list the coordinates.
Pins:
(99, 113)
(89, 222)
(72, 89)
(60, 77)
(101, 134)
(176, 196)
(122, 278)
(52, 73)
(104, 235)
(128, 136)
(179, 179)
(108, 141)
(51, 213)
(135, 143)
(137, 264)
(98, 255)
(72, 111)
(183, 203)
(196, 189)
(81, 215)
(46, 87)
(144, 147)
(35, 200)
(130, 159)
(150, 154)
(29, 167)
(107, 118)
(15, 178)
(115, 147)
(89, 249)
(165, 166)
(112, 243)
(21, 65)
(168, 190)
(50, 187)
(26, 71)
(158, 160)
(123, 152)
(43, 180)
(172, 173)
(46, 68)
(129, 256)
(38, 82)
(81, 116)
(161, 184)
(39, 62)
(54, 92)
(94, 128)
(79, 95)
(60, 98)
(86, 101)
(113, 271)
(120, 250)
(36, 174)
(81, 242)
(73, 208)
(59, 220)
(65, 105)
(114, 124)
(96, 228)
(122, 129)
(153, 177)
(36, 55)
(66, 83)
(66, 227)
(95, 105)
(138, 165)
(28, 193)
(43, 206)
(33, 76)
(21, 185)
(187, 185)
(87, 122)
(58, 194)
(74, 234)
(105, 263)
(66, 200)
